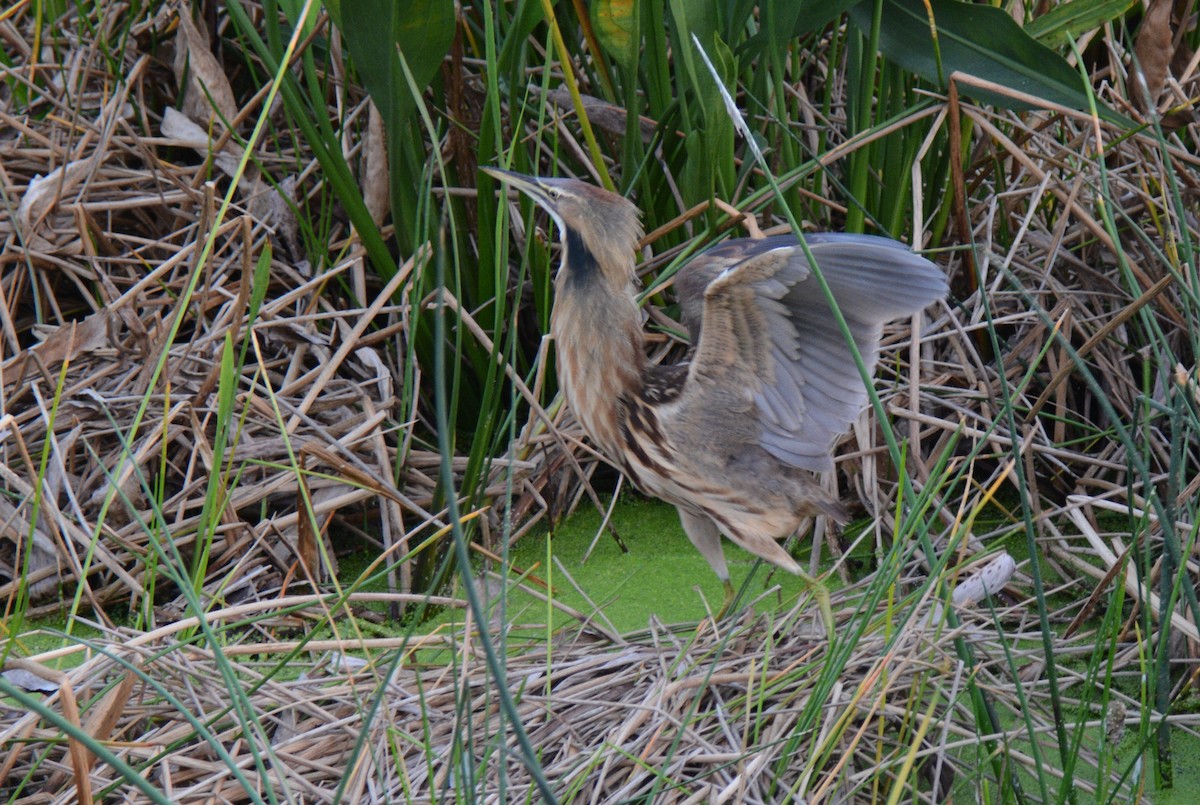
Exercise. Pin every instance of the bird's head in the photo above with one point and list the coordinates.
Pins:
(600, 230)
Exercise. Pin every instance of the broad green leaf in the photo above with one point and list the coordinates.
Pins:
(1075, 18)
(377, 34)
(979, 40)
(816, 14)
(375, 30)
(692, 17)
(712, 149)
(614, 24)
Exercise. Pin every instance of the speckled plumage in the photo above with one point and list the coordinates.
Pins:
(734, 435)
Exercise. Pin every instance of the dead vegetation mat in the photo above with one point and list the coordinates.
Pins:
(685, 713)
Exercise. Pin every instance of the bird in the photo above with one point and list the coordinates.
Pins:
(735, 434)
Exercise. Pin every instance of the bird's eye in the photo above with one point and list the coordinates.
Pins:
(555, 192)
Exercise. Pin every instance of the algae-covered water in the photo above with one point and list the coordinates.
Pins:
(660, 574)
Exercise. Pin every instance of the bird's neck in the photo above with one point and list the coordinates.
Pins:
(597, 330)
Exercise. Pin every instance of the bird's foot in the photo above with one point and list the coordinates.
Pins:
(824, 603)
(730, 592)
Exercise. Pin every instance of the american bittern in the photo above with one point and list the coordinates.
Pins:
(732, 436)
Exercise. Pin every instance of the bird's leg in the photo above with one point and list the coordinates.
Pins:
(730, 592)
(702, 531)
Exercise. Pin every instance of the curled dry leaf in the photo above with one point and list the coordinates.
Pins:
(201, 80)
(375, 368)
(102, 716)
(1153, 50)
(42, 563)
(69, 341)
(29, 681)
(275, 208)
(303, 535)
(375, 173)
(180, 127)
(44, 192)
(988, 580)
(266, 204)
(601, 114)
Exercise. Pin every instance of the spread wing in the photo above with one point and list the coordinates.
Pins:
(761, 325)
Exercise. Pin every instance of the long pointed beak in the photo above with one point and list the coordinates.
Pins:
(528, 185)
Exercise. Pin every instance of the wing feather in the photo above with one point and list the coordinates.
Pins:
(762, 327)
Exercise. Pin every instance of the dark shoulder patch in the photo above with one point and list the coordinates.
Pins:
(662, 384)
(580, 263)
